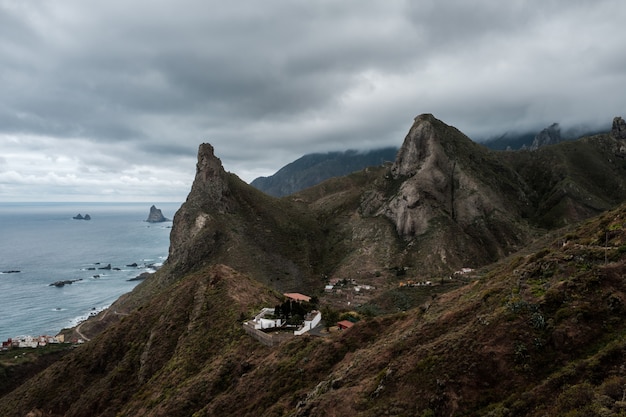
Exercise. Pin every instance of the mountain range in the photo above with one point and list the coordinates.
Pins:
(312, 169)
(489, 283)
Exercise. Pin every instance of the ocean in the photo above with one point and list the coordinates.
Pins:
(45, 244)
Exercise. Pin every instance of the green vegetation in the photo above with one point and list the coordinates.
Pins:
(539, 332)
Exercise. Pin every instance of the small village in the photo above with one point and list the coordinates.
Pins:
(33, 342)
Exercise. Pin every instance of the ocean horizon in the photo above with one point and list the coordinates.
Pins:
(42, 243)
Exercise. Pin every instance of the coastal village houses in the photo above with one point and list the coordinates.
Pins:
(29, 342)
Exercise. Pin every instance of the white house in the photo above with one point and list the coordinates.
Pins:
(311, 320)
(260, 322)
(27, 342)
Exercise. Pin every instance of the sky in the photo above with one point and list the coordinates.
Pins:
(109, 100)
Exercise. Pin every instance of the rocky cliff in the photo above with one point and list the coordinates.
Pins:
(618, 129)
(548, 136)
(155, 215)
(227, 221)
(451, 193)
(538, 333)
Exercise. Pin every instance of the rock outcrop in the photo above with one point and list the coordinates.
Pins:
(619, 128)
(446, 196)
(548, 136)
(194, 232)
(81, 217)
(155, 216)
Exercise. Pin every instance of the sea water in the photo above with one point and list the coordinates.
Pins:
(45, 244)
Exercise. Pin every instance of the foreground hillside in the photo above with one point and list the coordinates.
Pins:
(537, 328)
(537, 334)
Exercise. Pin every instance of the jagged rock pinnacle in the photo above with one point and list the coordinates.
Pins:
(619, 128)
(416, 146)
(194, 232)
(211, 183)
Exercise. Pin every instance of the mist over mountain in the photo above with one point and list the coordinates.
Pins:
(312, 169)
(525, 140)
(481, 283)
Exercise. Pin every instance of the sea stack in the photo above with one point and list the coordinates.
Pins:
(155, 216)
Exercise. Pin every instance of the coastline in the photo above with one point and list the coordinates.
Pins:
(42, 244)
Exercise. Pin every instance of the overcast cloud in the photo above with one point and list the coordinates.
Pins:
(108, 101)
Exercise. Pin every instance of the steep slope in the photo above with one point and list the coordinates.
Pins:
(169, 343)
(572, 180)
(312, 169)
(445, 203)
(539, 333)
(226, 221)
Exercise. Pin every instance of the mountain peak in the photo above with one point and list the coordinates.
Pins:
(619, 128)
(551, 135)
(418, 144)
(211, 179)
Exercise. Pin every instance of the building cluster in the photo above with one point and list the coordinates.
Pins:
(271, 329)
(338, 285)
(30, 341)
(411, 283)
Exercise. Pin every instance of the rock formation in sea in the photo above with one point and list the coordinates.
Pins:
(81, 217)
(155, 216)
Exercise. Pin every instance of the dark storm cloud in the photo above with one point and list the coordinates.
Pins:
(125, 91)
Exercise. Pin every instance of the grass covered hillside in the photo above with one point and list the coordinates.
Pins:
(536, 334)
(535, 327)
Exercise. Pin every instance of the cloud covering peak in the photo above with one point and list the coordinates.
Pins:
(110, 100)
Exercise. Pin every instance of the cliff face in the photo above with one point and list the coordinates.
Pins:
(535, 334)
(155, 215)
(195, 233)
(618, 129)
(224, 220)
(548, 136)
(450, 193)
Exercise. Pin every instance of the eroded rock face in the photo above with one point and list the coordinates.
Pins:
(155, 216)
(548, 136)
(418, 145)
(194, 234)
(438, 183)
(619, 128)
(210, 184)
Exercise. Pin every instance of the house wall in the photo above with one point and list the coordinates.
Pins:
(267, 339)
(309, 324)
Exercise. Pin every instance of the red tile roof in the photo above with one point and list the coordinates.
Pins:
(345, 324)
(296, 296)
